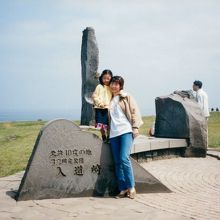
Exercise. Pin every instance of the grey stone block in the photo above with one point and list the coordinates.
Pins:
(68, 162)
(89, 64)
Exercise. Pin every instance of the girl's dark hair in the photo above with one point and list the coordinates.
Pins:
(119, 80)
(105, 72)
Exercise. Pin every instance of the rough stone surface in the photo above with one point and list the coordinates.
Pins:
(89, 64)
(68, 162)
(178, 117)
(185, 94)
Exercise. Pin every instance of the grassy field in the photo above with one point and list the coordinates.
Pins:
(17, 140)
(214, 129)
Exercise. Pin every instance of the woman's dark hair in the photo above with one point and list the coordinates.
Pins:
(198, 83)
(105, 72)
(119, 80)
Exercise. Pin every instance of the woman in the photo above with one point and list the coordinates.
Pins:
(125, 120)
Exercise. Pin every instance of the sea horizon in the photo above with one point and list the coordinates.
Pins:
(37, 115)
(46, 115)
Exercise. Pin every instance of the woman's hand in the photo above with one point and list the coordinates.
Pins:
(135, 132)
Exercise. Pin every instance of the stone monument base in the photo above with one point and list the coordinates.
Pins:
(68, 162)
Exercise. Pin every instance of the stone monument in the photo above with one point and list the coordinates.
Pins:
(69, 162)
(180, 117)
(89, 64)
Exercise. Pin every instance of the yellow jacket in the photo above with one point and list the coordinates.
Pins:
(102, 96)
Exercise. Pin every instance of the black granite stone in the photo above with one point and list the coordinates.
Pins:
(181, 117)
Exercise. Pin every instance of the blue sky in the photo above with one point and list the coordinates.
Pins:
(157, 46)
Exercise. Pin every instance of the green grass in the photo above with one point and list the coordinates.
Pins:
(18, 138)
(214, 129)
(148, 121)
(16, 142)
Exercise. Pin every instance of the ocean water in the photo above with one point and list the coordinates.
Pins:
(34, 115)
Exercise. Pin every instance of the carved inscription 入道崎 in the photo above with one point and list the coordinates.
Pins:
(68, 162)
(74, 158)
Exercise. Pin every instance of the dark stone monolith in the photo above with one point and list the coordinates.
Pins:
(180, 117)
(89, 63)
(69, 162)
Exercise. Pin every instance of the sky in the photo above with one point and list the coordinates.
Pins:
(157, 46)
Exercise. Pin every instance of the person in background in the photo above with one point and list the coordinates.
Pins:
(101, 99)
(125, 119)
(201, 97)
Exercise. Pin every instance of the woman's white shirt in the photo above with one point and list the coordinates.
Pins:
(119, 122)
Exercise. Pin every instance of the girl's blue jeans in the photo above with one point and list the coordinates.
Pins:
(121, 148)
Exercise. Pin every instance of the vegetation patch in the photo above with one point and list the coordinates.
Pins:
(18, 138)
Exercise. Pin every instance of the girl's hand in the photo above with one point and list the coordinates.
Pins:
(101, 105)
(135, 132)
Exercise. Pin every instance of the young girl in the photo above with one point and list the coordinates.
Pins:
(102, 97)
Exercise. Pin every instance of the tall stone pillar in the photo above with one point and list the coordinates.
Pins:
(89, 63)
